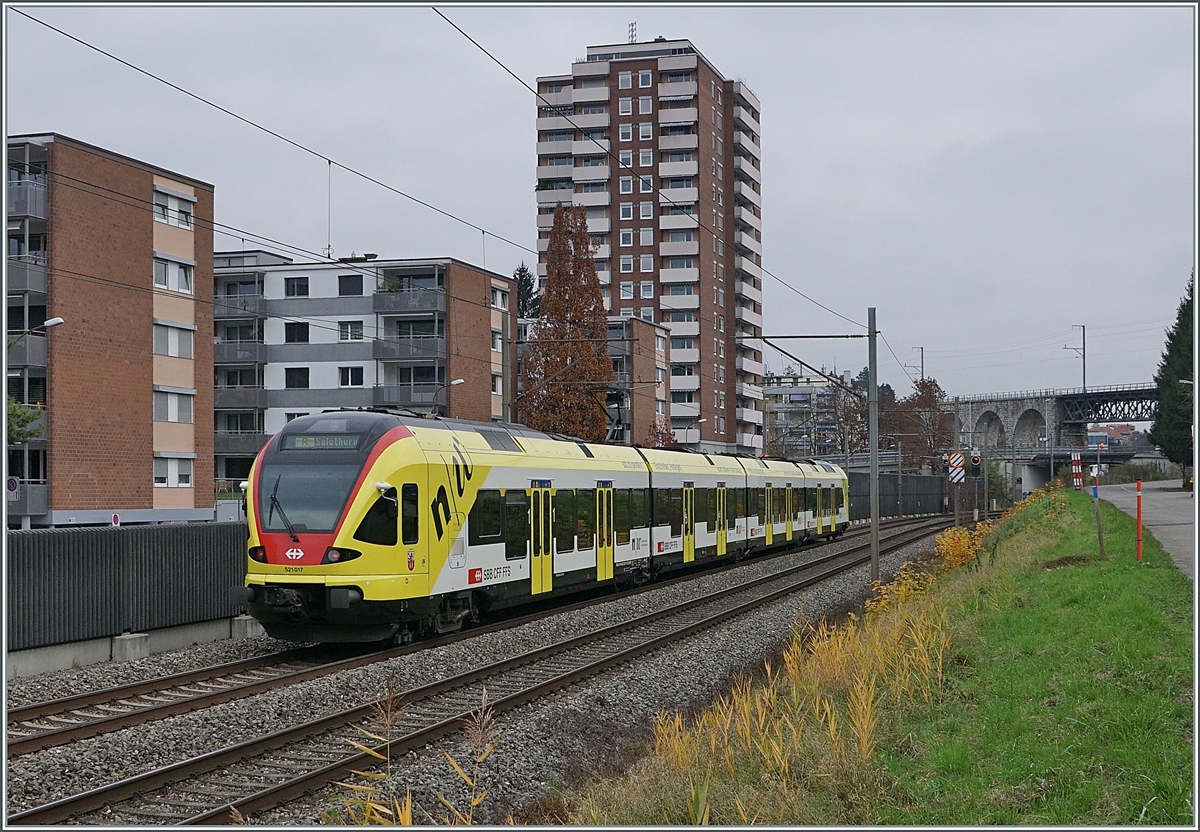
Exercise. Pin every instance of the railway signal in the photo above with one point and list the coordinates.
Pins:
(974, 465)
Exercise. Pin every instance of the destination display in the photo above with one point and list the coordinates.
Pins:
(321, 441)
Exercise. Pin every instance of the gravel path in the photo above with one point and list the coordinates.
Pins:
(593, 727)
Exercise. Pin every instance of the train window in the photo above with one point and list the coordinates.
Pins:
(676, 512)
(379, 524)
(752, 499)
(621, 514)
(710, 508)
(516, 525)
(739, 501)
(637, 509)
(486, 521)
(662, 515)
(585, 518)
(811, 503)
(797, 502)
(410, 517)
(564, 520)
(762, 506)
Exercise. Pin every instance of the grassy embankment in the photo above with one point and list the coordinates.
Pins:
(1016, 679)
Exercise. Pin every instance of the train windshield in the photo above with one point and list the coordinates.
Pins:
(309, 497)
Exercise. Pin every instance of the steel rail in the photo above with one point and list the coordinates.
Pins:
(272, 794)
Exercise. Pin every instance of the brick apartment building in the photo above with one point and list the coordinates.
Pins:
(427, 335)
(120, 250)
(663, 151)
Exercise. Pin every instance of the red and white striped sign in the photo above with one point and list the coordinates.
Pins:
(1076, 471)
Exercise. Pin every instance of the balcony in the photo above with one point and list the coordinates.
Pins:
(671, 169)
(679, 276)
(239, 306)
(748, 391)
(681, 115)
(408, 395)
(553, 171)
(691, 142)
(683, 356)
(237, 443)
(28, 351)
(744, 313)
(685, 248)
(745, 169)
(668, 63)
(556, 124)
(600, 225)
(679, 302)
(685, 409)
(557, 99)
(678, 88)
(748, 290)
(750, 440)
(408, 300)
(27, 273)
(239, 398)
(674, 222)
(590, 95)
(545, 221)
(408, 349)
(751, 343)
(553, 196)
(745, 141)
(685, 382)
(33, 499)
(749, 365)
(27, 198)
(590, 200)
(745, 414)
(678, 195)
(239, 352)
(748, 266)
(745, 215)
(684, 329)
(556, 148)
(590, 173)
(589, 147)
(743, 192)
(743, 115)
(686, 436)
(747, 241)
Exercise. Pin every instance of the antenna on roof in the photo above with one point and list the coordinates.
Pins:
(633, 32)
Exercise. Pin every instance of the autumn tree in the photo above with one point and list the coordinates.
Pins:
(1173, 419)
(566, 369)
(922, 427)
(528, 298)
(660, 434)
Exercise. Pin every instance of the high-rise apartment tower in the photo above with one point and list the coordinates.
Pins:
(663, 151)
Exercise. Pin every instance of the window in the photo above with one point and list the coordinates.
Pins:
(648, 313)
(646, 210)
(660, 341)
(350, 330)
(626, 157)
(594, 161)
(173, 275)
(627, 312)
(625, 80)
(680, 289)
(660, 407)
(593, 187)
(172, 341)
(627, 291)
(680, 182)
(499, 299)
(295, 333)
(683, 396)
(647, 263)
(679, 263)
(553, 161)
(287, 417)
(644, 79)
(172, 473)
(560, 137)
(646, 131)
(680, 156)
(350, 285)
(497, 341)
(594, 135)
(644, 105)
(172, 209)
(625, 132)
(516, 523)
(295, 378)
(173, 407)
(720, 121)
(680, 236)
(626, 235)
(592, 109)
(626, 210)
(295, 287)
(648, 292)
(497, 384)
(625, 106)
(647, 184)
(626, 184)
(626, 263)
(678, 77)
(676, 316)
(350, 376)
(683, 343)
(646, 237)
(660, 374)
(410, 513)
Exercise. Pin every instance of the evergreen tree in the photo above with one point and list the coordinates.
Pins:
(21, 420)
(528, 298)
(567, 371)
(1173, 420)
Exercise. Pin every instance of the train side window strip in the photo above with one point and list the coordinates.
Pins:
(410, 515)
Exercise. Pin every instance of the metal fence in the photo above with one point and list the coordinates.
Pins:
(898, 494)
(69, 585)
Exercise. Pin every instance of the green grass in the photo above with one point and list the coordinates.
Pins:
(1066, 698)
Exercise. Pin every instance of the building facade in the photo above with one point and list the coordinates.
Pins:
(801, 416)
(663, 151)
(120, 250)
(290, 339)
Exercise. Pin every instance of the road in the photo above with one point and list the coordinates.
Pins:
(1168, 513)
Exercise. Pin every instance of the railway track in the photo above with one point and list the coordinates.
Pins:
(57, 722)
(266, 771)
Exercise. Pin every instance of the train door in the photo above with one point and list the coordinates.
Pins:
(721, 522)
(835, 494)
(605, 530)
(819, 509)
(787, 511)
(768, 513)
(689, 522)
(541, 537)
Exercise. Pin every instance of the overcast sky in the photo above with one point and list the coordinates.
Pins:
(985, 177)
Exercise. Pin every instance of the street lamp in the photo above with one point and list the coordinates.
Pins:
(439, 389)
(55, 321)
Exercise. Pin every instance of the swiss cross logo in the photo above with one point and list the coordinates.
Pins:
(475, 576)
(412, 561)
(294, 554)
(660, 545)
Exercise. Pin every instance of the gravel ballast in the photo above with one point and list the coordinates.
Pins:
(595, 726)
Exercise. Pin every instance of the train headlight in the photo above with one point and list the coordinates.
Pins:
(258, 553)
(336, 555)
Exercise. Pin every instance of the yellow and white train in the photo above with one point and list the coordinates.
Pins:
(369, 525)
